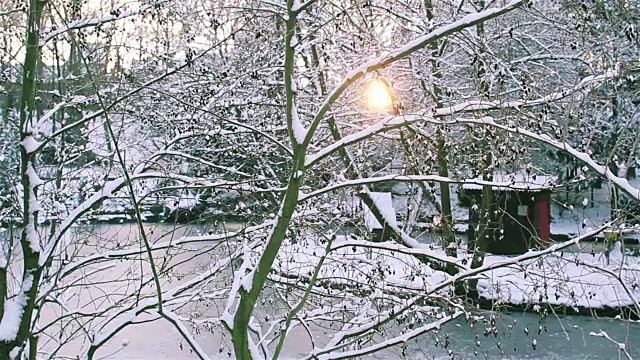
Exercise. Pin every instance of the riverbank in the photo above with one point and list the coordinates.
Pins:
(569, 282)
(579, 283)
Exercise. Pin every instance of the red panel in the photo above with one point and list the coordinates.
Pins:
(544, 220)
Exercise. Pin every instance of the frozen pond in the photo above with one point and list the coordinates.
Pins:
(560, 337)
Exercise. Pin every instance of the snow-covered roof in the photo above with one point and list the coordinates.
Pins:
(385, 205)
(514, 182)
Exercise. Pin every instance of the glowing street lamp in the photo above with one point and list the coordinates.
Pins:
(378, 94)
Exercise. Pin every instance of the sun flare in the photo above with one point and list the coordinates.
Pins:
(378, 95)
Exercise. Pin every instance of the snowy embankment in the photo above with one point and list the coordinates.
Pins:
(354, 263)
(573, 280)
(578, 281)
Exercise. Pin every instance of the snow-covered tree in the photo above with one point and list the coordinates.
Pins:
(269, 100)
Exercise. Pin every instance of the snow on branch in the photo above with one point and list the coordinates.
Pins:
(264, 133)
(113, 16)
(407, 178)
(107, 190)
(400, 339)
(404, 51)
(588, 82)
(13, 311)
(353, 331)
(274, 4)
(140, 172)
(74, 100)
(621, 346)
(619, 182)
(405, 239)
(301, 5)
(299, 132)
(385, 124)
(202, 161)
(551, 57)
(122, 98)
(184, 332)
(469, 106)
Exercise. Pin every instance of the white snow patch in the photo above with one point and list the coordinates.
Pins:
(34, 179)
(385, 205)
(13, 310)
(247, 281)
(569, 279)
(513, 182)
(30, 144)
(299, 132)
(349, 262)
(186, 201)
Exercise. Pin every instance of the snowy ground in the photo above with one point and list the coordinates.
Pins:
(569, 279)
(590, 280)
(348, 264)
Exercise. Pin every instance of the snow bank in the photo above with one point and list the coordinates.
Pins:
(568, 279)
(348, 265)
(186, 201)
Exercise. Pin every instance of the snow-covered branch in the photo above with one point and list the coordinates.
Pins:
(113, 16)
(588, 82)
(301, 5)
(186, 335)
(406, 178)
(404, 51)
(201, 161)
(385, 124)
(98, 113)
(601, 170)
(621, 346)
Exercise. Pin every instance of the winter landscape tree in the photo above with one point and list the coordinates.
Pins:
(283, 117)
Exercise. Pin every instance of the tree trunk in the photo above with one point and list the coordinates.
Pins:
(29, 240)
(248, 297)
(441, 153)
(485, 233)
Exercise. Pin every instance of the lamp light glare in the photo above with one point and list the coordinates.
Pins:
(378, 95)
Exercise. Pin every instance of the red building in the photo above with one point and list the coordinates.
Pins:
(522, 212)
